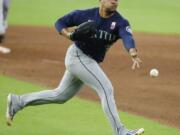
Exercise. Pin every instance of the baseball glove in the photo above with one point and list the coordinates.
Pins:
(84, 31)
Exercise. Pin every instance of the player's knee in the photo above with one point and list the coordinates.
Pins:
(62, 100)
(60, 97)
(106, 92)
(109, 88)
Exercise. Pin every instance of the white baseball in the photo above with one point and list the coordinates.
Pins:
(154, 72)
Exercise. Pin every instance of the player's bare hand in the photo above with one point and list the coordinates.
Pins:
(136, 62)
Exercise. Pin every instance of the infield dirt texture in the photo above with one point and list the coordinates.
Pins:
(38, 56)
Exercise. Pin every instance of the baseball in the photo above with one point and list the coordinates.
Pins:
(154, 72)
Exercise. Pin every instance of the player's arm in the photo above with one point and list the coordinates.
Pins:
(81, 32)
(125, 33)
(64, 23)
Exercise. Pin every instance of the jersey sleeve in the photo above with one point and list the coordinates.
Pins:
(68, 20)
(125, 33)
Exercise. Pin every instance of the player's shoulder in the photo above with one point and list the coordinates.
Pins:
(121, 19)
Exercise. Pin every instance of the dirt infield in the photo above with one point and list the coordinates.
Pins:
(38, 56)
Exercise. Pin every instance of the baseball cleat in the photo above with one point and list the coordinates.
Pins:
(12, 108)
(5, 50)
(136, 132)
(9, 111)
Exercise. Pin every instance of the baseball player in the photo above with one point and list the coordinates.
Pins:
(97, 29)
(4, 8)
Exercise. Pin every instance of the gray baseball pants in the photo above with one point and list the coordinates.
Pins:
(6, 4)
(80, 70)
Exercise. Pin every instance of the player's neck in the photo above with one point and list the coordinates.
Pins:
(105, 13)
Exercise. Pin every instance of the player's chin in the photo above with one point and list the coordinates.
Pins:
(112, 9)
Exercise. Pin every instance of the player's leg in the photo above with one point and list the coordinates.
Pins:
(6, 4)
(2, 30)
(91, 74)
(67, 88)
(95, 78)
(3, 26)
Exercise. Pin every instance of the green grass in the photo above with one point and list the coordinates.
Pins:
(76, 117)
(43, 12)
(159, 16)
